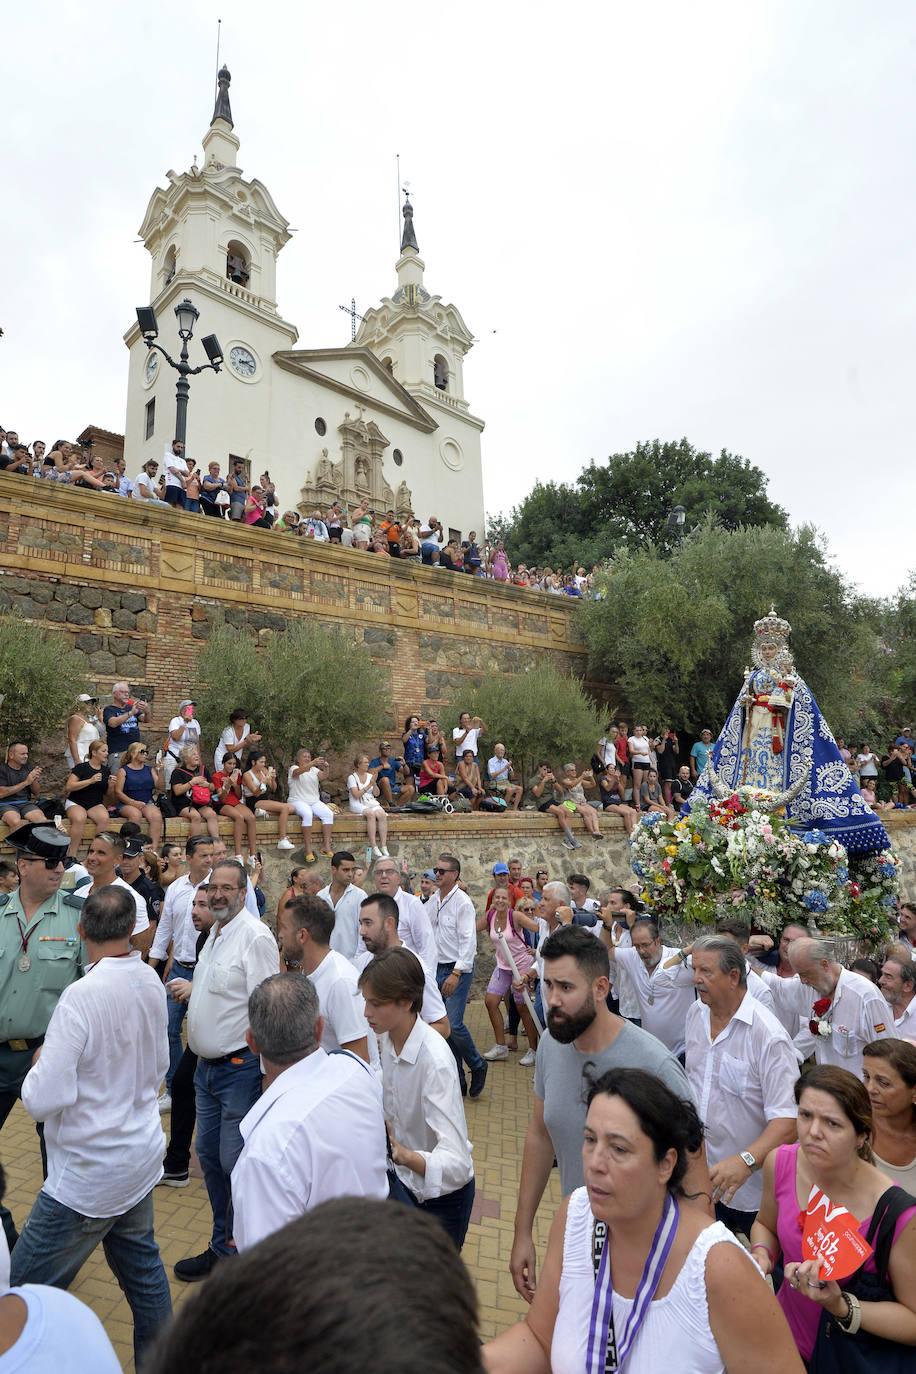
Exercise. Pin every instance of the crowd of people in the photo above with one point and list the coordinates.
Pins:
(694, 1098)
(178, 482)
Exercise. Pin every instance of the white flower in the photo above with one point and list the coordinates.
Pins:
(823, 1028)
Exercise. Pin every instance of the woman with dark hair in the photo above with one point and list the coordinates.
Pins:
(889, 1074)
(834, 1154)
(171, 864)
(87, 788)
(634, 1273)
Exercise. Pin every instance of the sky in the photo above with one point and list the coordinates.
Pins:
(658, 220)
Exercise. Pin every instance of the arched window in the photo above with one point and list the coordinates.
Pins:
(237, 264)
(171, 264)
(440, 372)
(389, 364)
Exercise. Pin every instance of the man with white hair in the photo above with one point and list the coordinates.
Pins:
(898, 983)
(414, 926)
(846, 1012)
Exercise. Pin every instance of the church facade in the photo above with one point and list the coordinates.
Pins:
(383, 418)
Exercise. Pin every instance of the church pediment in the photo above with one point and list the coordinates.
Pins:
(246, 202)
(357, 373)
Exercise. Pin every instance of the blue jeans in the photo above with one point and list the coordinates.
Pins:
(56, 1242)
(177, 1012)
(452, 1210)
(224, 1094)
(460, 1041)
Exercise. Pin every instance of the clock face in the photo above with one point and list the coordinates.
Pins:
(242, 361)
(152, 366)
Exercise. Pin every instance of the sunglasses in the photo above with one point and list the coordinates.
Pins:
(439, 871)
(142, 751)
(50, 864)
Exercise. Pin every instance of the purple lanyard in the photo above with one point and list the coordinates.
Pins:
(604, 1353)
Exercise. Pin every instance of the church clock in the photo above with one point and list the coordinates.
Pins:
(242, 361)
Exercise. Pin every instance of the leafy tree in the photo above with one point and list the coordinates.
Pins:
(41, 677)
(538, 714)
(898, 643)
(310, 686)
(675, 632)
(626, 502)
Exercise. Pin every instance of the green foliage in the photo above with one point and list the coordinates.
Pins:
(309, 687)
(539, 714)
(898, 626)
(41, 677)
(626, 502)
(675, 631)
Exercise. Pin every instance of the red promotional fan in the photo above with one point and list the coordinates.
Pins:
(831, 1235)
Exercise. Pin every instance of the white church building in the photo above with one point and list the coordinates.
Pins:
(384, 417)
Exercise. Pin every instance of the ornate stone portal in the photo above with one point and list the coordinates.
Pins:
(358, 475)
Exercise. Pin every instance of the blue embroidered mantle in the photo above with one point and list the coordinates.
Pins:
(829, 801)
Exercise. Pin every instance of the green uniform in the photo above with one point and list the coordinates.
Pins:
(54, 954)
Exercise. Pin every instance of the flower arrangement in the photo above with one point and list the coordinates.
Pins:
(730, 856)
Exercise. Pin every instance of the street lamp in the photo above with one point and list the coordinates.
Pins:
(187, 315)
(676, 521)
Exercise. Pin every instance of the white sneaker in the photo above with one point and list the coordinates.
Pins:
(285, 844)
(385, 854)
(377, 852)
(261, 815)
(497, 1052)
(239, 859)
(527, 1060)
(165, 1103)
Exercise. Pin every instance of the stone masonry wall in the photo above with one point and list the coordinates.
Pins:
(139, 589)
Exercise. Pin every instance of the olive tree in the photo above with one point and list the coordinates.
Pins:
(40, 679)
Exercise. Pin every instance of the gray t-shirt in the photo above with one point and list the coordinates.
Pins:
(559, 1082)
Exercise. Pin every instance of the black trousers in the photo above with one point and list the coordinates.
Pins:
(184, 1115)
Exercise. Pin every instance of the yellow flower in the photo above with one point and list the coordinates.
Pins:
(695, 837)
(671, 849)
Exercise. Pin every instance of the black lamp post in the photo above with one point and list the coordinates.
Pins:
(187, 315)
(676, 521)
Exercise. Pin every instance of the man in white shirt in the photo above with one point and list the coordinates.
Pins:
(183, 730)
(177, 472)
(428, 1134)
(317, 1131)
(239, 954)
(93, 1083)
(378, 926)
(105, 850)
(176, 927)
(742, 1069)
(663, 998)
(845, 1009)
(501, 777)
(454, 922)
(466, 734)
(414, 929)
(620, 910)
(898, 983)
(344, 898)
(304, 931)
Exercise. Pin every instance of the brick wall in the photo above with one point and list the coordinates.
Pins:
(138, 590)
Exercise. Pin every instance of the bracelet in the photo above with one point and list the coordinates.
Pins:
(761, 1246)
(853, 1318)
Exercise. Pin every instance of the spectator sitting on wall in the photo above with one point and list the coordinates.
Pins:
(467, 780)
(433, 777)
(682, 787)
(410, 544)
(612, 791)
(548, 798)
(501, 778)
(192, 792)
(256, 509)
(314, 528)
(430, 536)
(20, 786)
(289, 523)
(572, 785)
(394, 778)
(391, 529)
(147, 487)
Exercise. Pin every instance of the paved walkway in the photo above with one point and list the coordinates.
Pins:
(496, 1125)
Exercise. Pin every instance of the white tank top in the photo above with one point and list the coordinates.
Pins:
(88, 732)
(677, 1322)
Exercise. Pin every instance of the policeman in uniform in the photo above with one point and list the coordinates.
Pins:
(41, 953)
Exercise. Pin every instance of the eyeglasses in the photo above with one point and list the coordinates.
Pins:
(142, 751)
(50, 864)
(439, 871)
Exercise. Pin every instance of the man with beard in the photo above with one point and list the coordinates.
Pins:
(584, 1040)
(239, 954)
(378, 925)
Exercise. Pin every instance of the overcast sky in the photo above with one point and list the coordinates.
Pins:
(658, 220)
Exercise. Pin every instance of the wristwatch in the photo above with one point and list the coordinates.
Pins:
(749, 1159)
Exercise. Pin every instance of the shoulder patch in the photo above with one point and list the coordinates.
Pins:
(879, 1028)
(75, 898)
(5, 899)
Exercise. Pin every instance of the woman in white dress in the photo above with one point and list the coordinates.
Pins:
(361, 785)
(82, 729)
(633, 1266)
